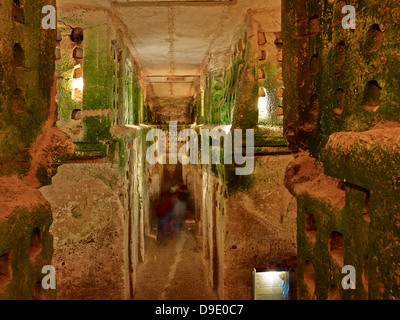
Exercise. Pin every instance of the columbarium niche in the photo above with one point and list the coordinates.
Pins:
(77, 84)
(309, 277)
(76, 35)
(372, 96)
(18, 102)
(5, 270)
(336, 247)
(333, 293)
(36, 244)
(18, 12)
(19, 56)
(339, 102)
(374, 39)
(310, 228)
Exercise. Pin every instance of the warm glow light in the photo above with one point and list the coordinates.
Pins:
(262, 107)
(227, 128)
(272, 277)
(77, 84)
(270, 285)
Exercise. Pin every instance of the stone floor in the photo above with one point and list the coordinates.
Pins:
(173, 271)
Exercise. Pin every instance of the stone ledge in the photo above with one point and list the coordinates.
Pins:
(370, 159)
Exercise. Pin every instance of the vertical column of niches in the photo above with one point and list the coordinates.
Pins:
(313, 112)
(339, 98)
(313, 30)
(35, 249)
(310, 236)
(69, 74)
(76, 53)
(279, 58)
(339, 50)
(373, 41)
(310, 116)
(5, 271)
(18, 93)
(58, 74)
(336, 252)
(115, 82)
(18, 58)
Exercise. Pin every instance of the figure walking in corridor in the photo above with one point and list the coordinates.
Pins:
(180, 206)
(163, 211)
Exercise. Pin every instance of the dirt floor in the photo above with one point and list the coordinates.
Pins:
(173, 271)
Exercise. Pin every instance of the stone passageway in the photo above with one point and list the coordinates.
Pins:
(173, 271)
(282, 120)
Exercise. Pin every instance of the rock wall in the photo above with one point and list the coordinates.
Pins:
(102, 198)
(253, 217)
(26, 245)
(341, 117)
(94, 51)
(103, 212)
(164, 110)
(31, 149)
(260, 226)
(88, 229)
(245, 228)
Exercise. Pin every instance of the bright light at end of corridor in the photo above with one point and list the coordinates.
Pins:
(271, 277)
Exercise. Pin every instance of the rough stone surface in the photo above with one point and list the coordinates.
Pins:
(31, 149)
(228, 228)
(339, 106)
(88, 232)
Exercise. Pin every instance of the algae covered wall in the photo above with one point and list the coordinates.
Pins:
(251, 70)
(252, 219)
(101, 198)
(102, 211)
(93, 49)
(26, 245)
(162, 110)
(220, 83)
(341, 121)
(102, 217)
(31, 148)
(26, 64)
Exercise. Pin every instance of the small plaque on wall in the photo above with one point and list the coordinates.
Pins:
(270, 285)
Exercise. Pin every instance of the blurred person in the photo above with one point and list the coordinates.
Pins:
(182, 188)
(163, 211)
(179, 210)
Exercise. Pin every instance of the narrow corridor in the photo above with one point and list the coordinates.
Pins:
(276, 121)
(173, 271)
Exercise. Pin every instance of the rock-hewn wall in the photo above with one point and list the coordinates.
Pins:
(101, 199)
(88, 230)
(341, 117)
(102, 213)
(31, 148)
(252, 218)
(243, 229)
